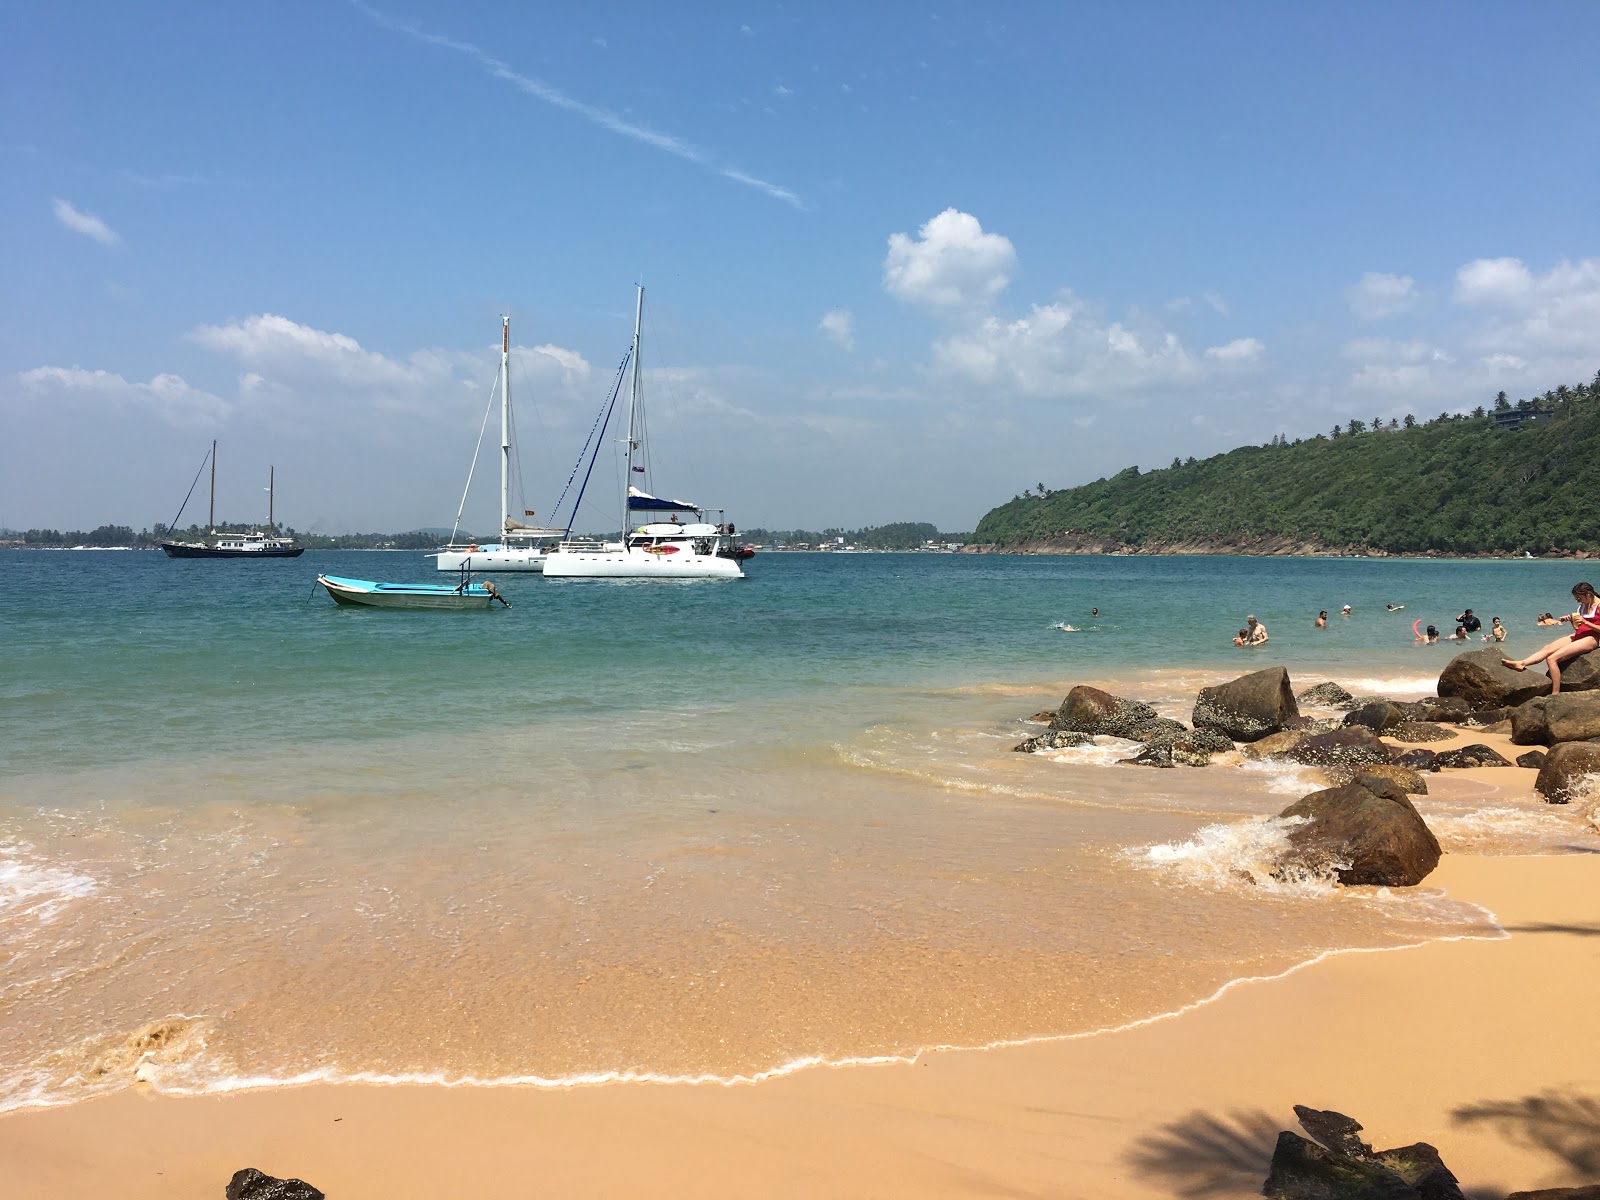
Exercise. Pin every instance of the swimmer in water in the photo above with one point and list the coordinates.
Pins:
(1395, 607)
(1065, 628)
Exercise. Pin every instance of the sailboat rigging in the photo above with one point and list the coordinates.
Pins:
(250, 544)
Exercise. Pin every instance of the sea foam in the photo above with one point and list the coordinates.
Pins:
(1245, 853)
(31, 889)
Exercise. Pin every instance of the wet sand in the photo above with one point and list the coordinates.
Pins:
(1481, 1047)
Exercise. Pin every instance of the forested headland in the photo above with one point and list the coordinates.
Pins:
(1510, 479)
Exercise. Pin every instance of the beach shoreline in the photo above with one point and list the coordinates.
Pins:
(1467, 1044)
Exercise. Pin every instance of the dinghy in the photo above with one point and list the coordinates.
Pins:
(366, 592)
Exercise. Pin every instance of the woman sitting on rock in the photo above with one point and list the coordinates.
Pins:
(1584, 637)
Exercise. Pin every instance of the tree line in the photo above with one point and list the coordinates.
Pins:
(1460, 483)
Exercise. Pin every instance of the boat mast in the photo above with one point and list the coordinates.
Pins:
(271, 528)
(633, 413)
(211, 518)
(505, 424)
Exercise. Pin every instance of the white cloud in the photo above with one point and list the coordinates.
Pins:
(87, 224)
(1238, 350)
(1377, 295)
(166, 396)
(840, 326)
(1493, 281)
(780, 90)
(1551, 320)
(952, 264)
(1217, 303)
(284, 346)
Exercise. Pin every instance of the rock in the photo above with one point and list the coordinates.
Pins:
(1377, 716)
(1529, 724)
(1056, 739)
(1581, 674)
(1045, 717)
(1247, 708)
(1446, 710)
(1327, 695)
(1420, 1165)
(1303, 1170)
(1417, 760)
(1185, 748)
(1276, 743)
(1156, 754)
(1367, 830)
(1420, 731)
(1334, 1130)
(1569, 718)
(1156, 729)
(1565, 774)
(1487, 718)
(1089, 710)
(1409, 778)
(1533, 758)
(251, 1184)
(1470, 756)
(1589, 1191)
(1481, 679)
(1342, 747)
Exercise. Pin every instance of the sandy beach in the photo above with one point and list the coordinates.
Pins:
(1479, 1046)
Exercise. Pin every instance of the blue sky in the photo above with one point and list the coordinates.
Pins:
(902, 260)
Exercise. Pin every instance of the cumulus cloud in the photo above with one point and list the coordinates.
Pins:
(1551, 320)
(1238, 350)
(168, 397)
(840, 327)
(950, 266)
(1378, 295)
(89, 225)
(1217, 303)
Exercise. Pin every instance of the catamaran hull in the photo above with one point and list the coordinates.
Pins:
(181, 550)
(487, 562)
(364, 594)
(637, 564)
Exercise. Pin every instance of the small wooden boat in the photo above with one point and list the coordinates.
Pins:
(411, 595)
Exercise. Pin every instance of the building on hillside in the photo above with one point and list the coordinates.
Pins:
(1516, 418)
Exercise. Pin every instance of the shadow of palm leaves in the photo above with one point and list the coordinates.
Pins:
(1203, 1155)
(1561, 1124)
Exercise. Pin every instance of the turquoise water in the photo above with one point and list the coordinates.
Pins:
(664, 830)
(111, 657)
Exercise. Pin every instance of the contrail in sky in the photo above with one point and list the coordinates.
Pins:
(595, 116)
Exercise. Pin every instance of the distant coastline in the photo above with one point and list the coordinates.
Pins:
(1265, 547)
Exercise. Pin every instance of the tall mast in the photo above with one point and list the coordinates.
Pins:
(211, 519)
(505, 424)
(633, 412)
(271, 528)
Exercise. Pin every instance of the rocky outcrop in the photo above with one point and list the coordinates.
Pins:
(1419, 731)
(1188, 748)
(1469, 756)
(1367, 831)
(1589, 1191)
(1248, 708)
(1409, 778)
(251, 1184)
(1417, 759)
(1378, 716)
(1444, 710)
(1056, 739)
(1581, 674)
(1343, 747)
(1533, 758)
(1551, 719)
(1090, 710)
(1566, 773)
(1481, 679)
(1327, 695)
(1276, 744)
(1343, 1167)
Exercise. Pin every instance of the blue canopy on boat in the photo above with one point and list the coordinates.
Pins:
(644, 502)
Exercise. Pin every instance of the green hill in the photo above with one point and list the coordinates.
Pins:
(1514, 480)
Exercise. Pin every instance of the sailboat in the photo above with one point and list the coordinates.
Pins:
(669, 549)
(521, 547)
(251, 544)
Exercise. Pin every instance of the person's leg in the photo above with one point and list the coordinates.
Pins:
(1569, 651)
(1539, 655)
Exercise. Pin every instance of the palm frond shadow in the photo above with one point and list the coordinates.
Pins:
(1202, 1155)
(1564, 1125)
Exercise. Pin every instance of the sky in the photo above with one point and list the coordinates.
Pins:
(901, 261)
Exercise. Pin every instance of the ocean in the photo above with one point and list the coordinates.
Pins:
(666, 831)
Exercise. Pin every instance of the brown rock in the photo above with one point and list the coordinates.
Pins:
(1572, 717)
(1408, 778)
(1417, 760)
(1589, 1191)
(1470, 756)
(1377, 716)
(1565, 774)
(1347, 747)
(1090, 710)
(1248, 708)
(1533, 758)
(1370, 828)
(1480, 678)
(1419, 731)
(1276, 743)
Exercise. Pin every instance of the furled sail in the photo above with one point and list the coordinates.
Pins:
(644, 502)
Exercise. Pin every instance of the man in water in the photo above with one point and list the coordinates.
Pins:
(1469, 622)
(1322, 619)
(1257, 632)
(1345, 611)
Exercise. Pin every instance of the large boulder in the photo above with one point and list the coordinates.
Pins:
(1367, 831)
(1248, 708)
(1344, 1167)
(1090, 710)
(1377, 716)
(1342, 747)
(1276, 744)
(1481, 678)
(1408, 778)
(1566, 774)
(1551, 719)
(1445, 710)
(1417, 759)
(1186, 748)
(1581, 674)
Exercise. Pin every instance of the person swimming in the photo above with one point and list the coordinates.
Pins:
(1432, 636)
(1395, 607)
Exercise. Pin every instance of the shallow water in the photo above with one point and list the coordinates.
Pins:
(661, 830)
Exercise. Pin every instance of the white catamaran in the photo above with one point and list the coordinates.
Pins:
(670, 549)
(521, 547)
